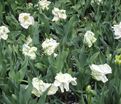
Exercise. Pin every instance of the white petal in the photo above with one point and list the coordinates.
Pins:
(55, 19)
(106, 69)
(29, 40)
(56, 83)
(73, 82)
(104, 79)
(32, 56)
(66, 86)
(53, 89)
(4, 36)
(36, 92)
(62, 88)
(117, 31)
(26, 26)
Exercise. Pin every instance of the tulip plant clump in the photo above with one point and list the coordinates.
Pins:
(60, 52)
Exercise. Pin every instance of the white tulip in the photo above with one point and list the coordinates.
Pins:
(43, 4)
(58, 14)
(29, 50)
(26, 20)
(63, 81)
(89, 38)
(117, 30)
(4, 32)
(39, 87)
(49, 45)
(99, 72)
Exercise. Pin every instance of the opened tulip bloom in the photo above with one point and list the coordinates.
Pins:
(89, 38)
(99, 72)
(43, 4)
(49, 46)
(26, 20)
(39, 87)
(28, 49)
(36, 86)
(63, 80)
(4, 32)
(58, 14)
(117, 31)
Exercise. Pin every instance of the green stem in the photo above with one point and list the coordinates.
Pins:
(89, 98)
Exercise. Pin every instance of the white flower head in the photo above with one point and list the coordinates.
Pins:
(26, 20)
(43, 4)
(58, 14)
(99, 72)
(117, 30)
(49, 45)
(89, 38)
(39, 87)
(63, 81)
(4, 32)
(28, 50)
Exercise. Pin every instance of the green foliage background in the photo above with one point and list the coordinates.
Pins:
(74, 57)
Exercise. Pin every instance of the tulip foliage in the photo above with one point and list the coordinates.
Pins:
(60, 52)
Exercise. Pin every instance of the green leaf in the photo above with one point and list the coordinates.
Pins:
(21, 73)
(93, 57)
(6, 99)
(42, 98)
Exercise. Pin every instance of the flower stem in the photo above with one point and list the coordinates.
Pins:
(89, 98)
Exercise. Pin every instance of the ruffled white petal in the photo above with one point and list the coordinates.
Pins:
(99, 72)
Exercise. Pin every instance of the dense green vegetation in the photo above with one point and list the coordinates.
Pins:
(73, 56)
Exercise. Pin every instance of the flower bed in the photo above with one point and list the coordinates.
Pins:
(60, 52)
